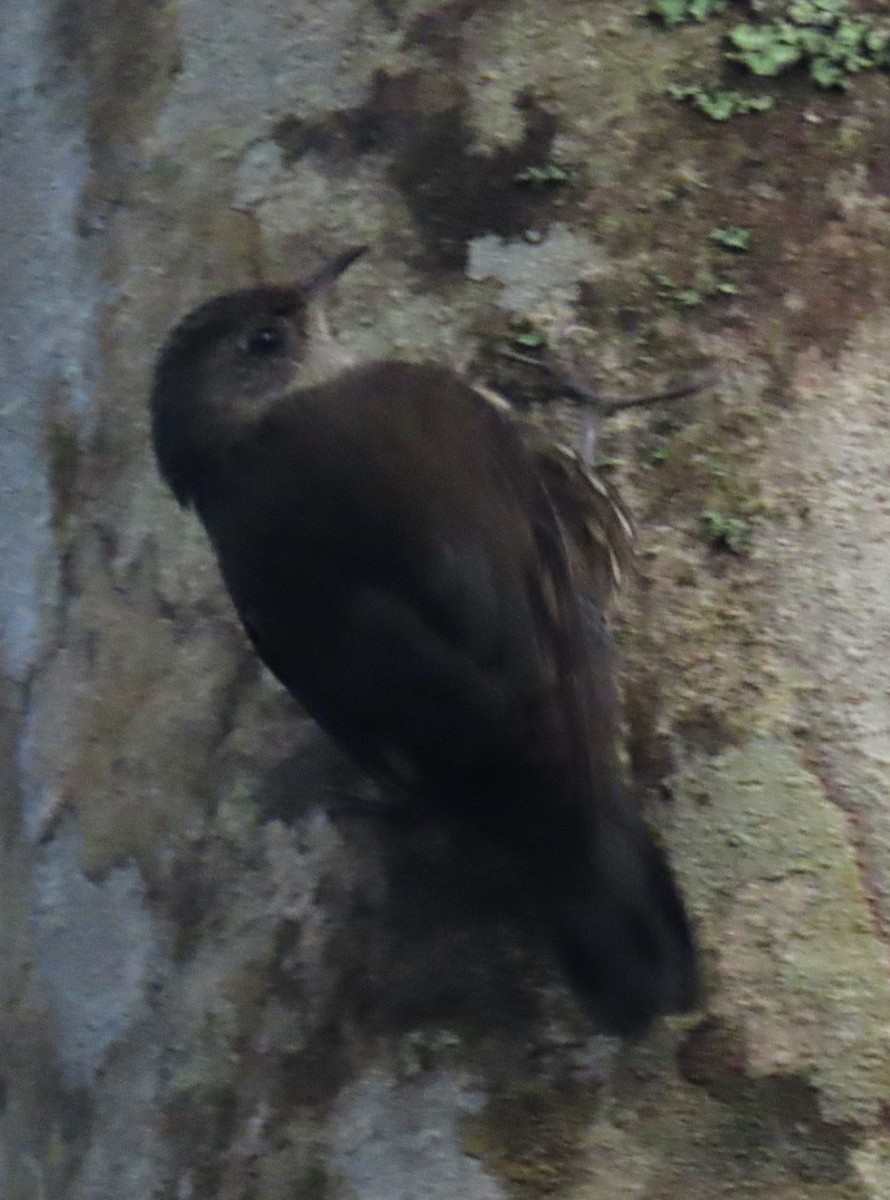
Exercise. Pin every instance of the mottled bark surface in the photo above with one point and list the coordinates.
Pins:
(209, 986)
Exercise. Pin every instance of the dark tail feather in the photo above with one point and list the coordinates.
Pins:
(624, 938)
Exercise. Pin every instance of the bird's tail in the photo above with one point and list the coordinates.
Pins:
(622, 933)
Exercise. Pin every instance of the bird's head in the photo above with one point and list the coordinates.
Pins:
(227, 362)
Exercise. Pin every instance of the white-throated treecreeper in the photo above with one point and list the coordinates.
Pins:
(424, 578)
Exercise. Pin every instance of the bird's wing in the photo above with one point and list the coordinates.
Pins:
(596, 525)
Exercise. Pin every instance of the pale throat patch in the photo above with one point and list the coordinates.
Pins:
(325, 356)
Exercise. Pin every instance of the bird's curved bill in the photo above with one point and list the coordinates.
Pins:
(319, 282)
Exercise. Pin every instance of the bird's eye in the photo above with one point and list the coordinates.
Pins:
(267, 340)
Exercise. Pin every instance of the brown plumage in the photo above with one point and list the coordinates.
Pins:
(431, 587)
(596, 526)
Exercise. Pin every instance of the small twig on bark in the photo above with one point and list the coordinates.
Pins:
(606, 405)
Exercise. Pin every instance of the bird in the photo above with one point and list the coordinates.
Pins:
(430, 581)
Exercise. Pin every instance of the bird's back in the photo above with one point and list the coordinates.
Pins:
(380, 538)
